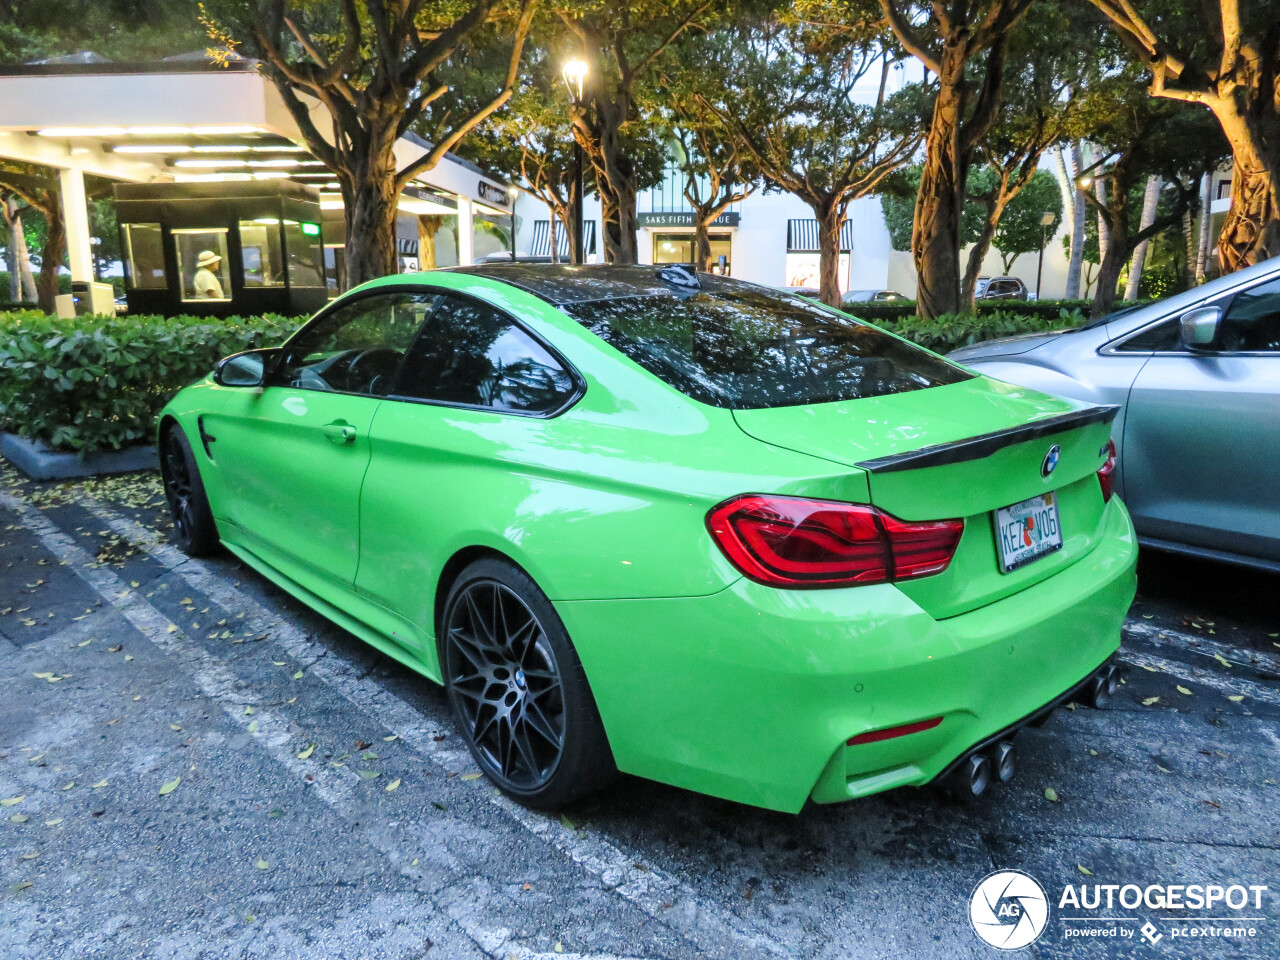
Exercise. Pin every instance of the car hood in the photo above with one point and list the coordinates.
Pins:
(1004, 346)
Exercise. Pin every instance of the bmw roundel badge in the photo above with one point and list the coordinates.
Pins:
(1050, 460)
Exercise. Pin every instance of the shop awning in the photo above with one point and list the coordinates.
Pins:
(802, 236)
(542, 239)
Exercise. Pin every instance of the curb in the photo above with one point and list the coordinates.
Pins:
(39, 462)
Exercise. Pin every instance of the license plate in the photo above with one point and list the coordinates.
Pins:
(1027, 531)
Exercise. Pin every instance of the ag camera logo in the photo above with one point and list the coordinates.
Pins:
(1009, 910)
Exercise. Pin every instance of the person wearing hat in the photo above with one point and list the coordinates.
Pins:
(208, 287)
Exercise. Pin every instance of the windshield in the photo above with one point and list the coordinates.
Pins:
(743, 347)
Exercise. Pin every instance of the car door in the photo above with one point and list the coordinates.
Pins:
(293, 455)
(1203, 431)
(477, 391)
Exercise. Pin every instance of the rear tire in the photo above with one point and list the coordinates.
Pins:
(518, 691)
(194, 529)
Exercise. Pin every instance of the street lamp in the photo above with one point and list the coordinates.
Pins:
(575, 77)
(513, 193)
(1046, 220)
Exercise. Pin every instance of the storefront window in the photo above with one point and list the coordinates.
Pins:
(802, 271)
(306, 258)
(144, 248)
(202, 258)
(260, 251)
(678, 248)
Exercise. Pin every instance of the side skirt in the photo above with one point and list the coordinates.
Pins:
(336, 614)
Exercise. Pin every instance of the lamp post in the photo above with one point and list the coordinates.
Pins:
(1046, 220)
(512, 192)
(575, 76)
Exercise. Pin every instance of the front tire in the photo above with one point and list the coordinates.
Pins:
(194, 529)
(518, 691)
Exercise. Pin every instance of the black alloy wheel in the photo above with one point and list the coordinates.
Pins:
(194, 529)
(517, 688)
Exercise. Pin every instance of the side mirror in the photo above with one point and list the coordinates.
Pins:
(246, 369)
(1199, 327)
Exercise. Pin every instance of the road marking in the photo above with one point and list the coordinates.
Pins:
(662, 896)
(1204, 646)
(1225, 685)
(215, 680)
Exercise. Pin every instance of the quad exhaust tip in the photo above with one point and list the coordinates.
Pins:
(975, 774)
(1102, 686)
(1001, 758)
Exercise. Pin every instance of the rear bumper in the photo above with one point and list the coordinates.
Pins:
(752, 693)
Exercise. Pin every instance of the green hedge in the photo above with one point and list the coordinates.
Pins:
(876, 312)
(953, 331)
(98, 382)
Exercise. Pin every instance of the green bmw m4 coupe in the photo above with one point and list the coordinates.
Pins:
(645, 520)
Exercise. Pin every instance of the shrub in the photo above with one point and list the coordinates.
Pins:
(952, 331)
(877, 312)
(98, 382)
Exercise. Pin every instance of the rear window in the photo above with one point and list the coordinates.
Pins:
(744, 348)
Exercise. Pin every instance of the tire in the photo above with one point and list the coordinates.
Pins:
(194, 529)
(516, 686)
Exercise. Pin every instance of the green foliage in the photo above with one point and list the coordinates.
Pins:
(951, 331)
(99, 382)
(1020, 230)
(1040, 309)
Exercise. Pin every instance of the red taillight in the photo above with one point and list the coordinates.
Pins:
(875, 736)
(1107, 472)
(795, 542)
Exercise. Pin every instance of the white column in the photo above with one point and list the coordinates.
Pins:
(75, 210)
(466, 232)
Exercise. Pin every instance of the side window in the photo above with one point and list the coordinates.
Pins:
(1163, 336)
(358, 347)
(1252, 322)
(471, 354)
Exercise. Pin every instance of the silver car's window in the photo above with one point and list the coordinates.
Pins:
(1161, 338)
(1252, 322)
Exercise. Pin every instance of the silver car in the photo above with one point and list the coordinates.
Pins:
(1197, 377)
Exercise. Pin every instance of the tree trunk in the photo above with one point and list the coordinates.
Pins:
(702, 240)
(370, 211)
(1206, 219)
(978, 253)
(52, 252)
(22, 286)
(1149, 200)
(1118, 250)
(429, 225)
(1255, 181)
(1189, 247)
(829, 218)
(935, 228)
(1079, 210)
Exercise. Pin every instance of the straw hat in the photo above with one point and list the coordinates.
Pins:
(207, 258)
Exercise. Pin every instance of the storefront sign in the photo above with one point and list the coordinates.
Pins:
(684, 220)
(498, 196)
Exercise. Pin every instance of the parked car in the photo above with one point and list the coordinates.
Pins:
(1197, 378)
(872, 296)
(672, 524)
(1000, 288)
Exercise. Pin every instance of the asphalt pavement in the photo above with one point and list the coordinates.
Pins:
(195, 765)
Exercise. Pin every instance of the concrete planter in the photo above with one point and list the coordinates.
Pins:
(39, 462)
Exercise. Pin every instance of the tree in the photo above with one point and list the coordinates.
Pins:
(22, 286)
(379, 68)
(1143, 137)
(531, 142)
(620, 44)
(797, 103)
(1020, 230)
(964, 44)
(39, 189)
(1224, 56)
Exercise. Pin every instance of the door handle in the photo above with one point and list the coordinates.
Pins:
(339, 431)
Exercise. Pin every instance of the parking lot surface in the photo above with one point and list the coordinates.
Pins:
(195, 765)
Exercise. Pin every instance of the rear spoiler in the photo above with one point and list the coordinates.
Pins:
(975, 448)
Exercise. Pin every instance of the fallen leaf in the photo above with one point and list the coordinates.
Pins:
(19, 818)
(1148, 669)
(116, 649)
(394, 784)
(369, 774)
(253, 726)
(438, 806)
(172, 628)
(30, 856)
(1051, 794)
(1183, 690)
(1093, 753)
(1216, 806)
(53, 823)
(248, 711)
(559, 947)
(368, 755)
(262, 864)
(69, 785)
(10, 801)
(171, 786)
(471, 776)
(1150, 700)
(390, 738)
(278, 663)
(567, 823)
(128, 657)
(99, 785)
(299, 675)
(174, 727)
(307, 752)
(1236, 698)
(1163, 769)
(1222, 660)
